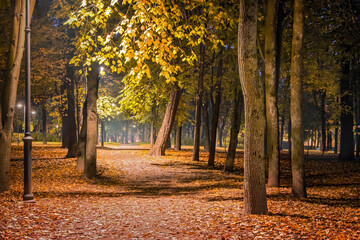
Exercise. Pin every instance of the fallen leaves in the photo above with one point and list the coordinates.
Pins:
(141, 197)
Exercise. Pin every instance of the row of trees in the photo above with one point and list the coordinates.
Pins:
(175, 60)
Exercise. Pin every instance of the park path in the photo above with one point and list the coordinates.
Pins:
(136, 196)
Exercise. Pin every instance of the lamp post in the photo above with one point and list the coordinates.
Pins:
(28, 196)
(17, 123)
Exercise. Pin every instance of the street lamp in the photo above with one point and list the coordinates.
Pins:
(19, 105)
(28, 196)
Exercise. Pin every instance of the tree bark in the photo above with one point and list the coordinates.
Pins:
(323, 122)
(215, 115)
(206, 126)
(253, 91)
(91, 122)
(346, 117)
(297, 138)
(72, 129)
(82, 141)
(102, 125)
(272, 124)
(234, 131)
(9, 89)
(164, 133)
(177, 146)
(199, 96)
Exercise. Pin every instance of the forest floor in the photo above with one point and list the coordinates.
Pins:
(136, 196)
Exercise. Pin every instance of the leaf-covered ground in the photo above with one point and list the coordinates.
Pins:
(140, 197)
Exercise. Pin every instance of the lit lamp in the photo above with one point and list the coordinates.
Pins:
(28, 196)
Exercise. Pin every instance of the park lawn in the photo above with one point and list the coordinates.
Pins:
(136, 196)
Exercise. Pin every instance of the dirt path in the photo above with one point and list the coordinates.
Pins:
(140, 197)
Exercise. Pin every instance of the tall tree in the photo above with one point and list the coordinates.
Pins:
(9, 88)
(235, 127)
(346, 118)
(272, 124)
(91, 122)
(253, 91)
(199, 96)
(164, 133)
(297, 138)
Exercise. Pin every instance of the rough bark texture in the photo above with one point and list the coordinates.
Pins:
(234, 131)
(177, 146)
(9, 89)
(346, 118)
(82, 141)
(215, 116)
(91, 121)
(164, 133)
(199, 96)
(272, 125)
(253, 91)
(297, 138)
(72, 133)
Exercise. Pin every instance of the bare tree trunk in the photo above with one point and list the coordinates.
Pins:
(44, 123)
(234, 132)
(199, 96)
(272, 124)
(152, 130)
(253, 91)
(346, 117)
(82, 141)
(72, 129)
(215, 116)
(164, 133)
(323, 122)
(206, 126)
(9, 89)
(102, 125)
(177, 146)
(91, 123)
(297, 138)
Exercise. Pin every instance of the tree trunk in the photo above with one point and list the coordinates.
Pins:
(272, 124)
(199, 96)
(215, 115)
(289, 135)
(346, 117)
(206, 126)
(164, 133)
(102, 125)
(9, 89)
(44, 123)
(282, 126)
(234, 131)
(336, 140)
(72, 129)
(323, 122)
(82, 141)
(297, 138)
(91, 123)
(152, 130)
(253, 91)
(177, 146)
